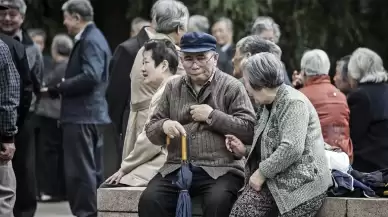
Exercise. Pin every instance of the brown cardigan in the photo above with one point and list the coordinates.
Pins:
(233, 114)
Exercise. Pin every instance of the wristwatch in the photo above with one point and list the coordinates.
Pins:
(209, 119)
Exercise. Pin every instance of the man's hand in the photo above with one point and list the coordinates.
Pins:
(51, 92)
(7, 151)
(201, 112)
(234, 145)
(173, 129)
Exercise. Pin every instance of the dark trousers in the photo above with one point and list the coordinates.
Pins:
(24, 167)
(218, 195)
(50, 169)
(83, 157)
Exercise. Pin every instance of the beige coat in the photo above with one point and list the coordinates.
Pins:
(145, 160)
(141, 95)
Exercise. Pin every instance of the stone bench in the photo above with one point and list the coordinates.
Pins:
(122, 202)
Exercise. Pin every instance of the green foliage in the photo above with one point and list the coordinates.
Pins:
(336, 26)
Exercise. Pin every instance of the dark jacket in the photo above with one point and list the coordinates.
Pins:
(20, 60)
(225, 59)
(369, 126)
(36, 66)
(86, 80)
(47, 106)
(119, 89)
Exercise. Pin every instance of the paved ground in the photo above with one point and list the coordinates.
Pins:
(53, 210)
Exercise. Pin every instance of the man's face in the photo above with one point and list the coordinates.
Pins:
(268, 35)
(340, 82)
(10, 21)
(40, 41)
(221, 32)
(199, 66)
(237, 63)
(71, 22)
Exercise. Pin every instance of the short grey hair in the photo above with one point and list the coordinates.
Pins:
(169, 15)
(228, 22)
(366, 65)
(37, 32)
(264, 70)
(19, 5)
(81, 7)
(266, 23)
(253, 44)
(62, 44)
(198, 23)
(315, 62)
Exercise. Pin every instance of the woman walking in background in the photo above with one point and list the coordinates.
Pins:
(50, 138)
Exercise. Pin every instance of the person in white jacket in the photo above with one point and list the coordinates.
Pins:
(160, 64)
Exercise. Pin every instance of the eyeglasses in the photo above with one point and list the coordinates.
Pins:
(201, 60)
(12, 13)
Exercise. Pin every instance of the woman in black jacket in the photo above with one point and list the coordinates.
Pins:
(368, 104)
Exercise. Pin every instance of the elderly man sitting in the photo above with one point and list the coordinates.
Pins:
(204, 105)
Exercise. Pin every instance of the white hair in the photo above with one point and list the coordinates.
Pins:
(315, 62)
(366, 65)
(20, 5)
(253, 44)
(264, 70)
(266, 23)
(169, 15)
(198, 23)
(62, 44)
(81, 7)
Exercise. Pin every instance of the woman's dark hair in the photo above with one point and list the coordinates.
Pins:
(344, 70)
(163, 49)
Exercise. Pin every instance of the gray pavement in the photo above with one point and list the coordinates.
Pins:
(53, 210)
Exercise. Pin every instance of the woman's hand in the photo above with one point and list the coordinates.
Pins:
(234, 145)
(115, 178)
(257, 180)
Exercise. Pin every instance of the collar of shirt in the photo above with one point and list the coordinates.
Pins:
(225, 47)
(19, 36)
(197, 88)
(78, 36)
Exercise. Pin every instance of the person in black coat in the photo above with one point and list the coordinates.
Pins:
(118, 93)
(20, 60)
(368, 104)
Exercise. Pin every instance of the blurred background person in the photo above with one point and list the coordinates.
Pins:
(50, 154)
(341, 77)
(39, 37)
(267, 29)
(198, 23)
(222, 30)
(368, 103)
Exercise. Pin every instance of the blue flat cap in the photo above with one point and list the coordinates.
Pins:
(197, 42)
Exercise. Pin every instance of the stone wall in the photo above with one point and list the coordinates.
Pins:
(122, 202)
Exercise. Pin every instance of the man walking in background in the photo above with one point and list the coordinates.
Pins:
(9, 101)
(84, 111)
